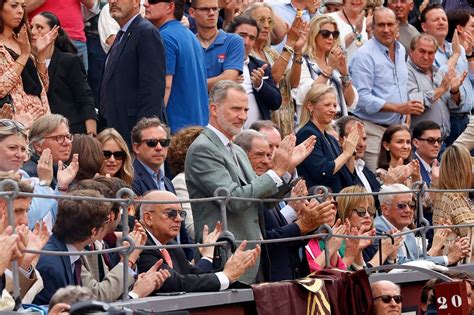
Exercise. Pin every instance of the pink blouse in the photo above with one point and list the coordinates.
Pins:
(10, 83)
(313, 250)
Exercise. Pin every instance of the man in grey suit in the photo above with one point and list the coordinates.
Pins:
(213, 161)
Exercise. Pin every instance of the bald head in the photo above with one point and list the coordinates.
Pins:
(385, 294)
(163, 221)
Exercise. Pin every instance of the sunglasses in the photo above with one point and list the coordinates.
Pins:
(158, 1)
(432, 141)
(327, 33)
(154, 142)
(173, 214)
(12, 124)
(118, 155)
(403, 205)
(361, 211)
(388, 298)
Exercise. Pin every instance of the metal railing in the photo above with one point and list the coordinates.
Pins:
(126, 245)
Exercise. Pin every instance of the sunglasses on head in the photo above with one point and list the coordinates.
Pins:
(327, 33)
(173, 214)
(154, 142)
(388, 298)
(361, 211)
(118, 155)
(403, 205)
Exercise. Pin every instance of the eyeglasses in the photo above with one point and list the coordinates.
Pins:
(262, 20)
(361, 211)
(388, 298)
(327, 33)
(118, 155)
(432, 141)
(208, 9)
(403, 205)
(158, 1)
(173, 214)
(152, 143)
(399, 1)
(61, 138)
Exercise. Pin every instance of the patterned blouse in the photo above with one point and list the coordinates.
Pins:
(457, 208)
(11, 83)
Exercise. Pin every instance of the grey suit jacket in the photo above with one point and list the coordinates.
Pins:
(210, 165)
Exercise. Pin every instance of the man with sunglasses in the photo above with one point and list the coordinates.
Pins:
(185, 66)
(162, 223)
(387, 298)
(398, 209)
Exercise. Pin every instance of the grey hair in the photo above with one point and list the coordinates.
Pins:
(394, 188)
(423, 36)
(44, 126)
(245, 139)
(71, 295)
(219, 91)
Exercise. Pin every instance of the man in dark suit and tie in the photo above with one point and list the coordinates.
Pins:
(133, 82)
(282, 261)
(213, 161)
(162, 223)
(263, 94)
(361, 174)
(150, 142)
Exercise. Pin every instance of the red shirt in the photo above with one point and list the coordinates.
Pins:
(69, 15)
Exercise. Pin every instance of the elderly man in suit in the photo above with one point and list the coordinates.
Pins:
(162, 223)
(397, 214)
(213, 161)
(133, 82)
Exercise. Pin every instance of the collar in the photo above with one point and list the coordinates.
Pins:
(168, 23)
(71, 248)
(448, 50)
(360, 163)
(411, 63)
(225, 141)
(246, 62)
(390, 225)
(153, 238)
(127, 25)
(385, 48)
(425, 165)
(158, 174)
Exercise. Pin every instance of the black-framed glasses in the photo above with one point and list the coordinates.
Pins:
(361, 211)
(431, 140)
(118, 155)
(208, 9)
(327, 33)
(404, 205)
(388, 298)
(152, 143)
(172, 214)
(61, 138)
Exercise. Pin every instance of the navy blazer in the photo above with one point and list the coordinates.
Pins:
(318, 167)
(69, 93)
(373, 182)
(184, 276)
(56, 271)
(280, 261)
(428, 215)
(143, 182)
(425, 176)
(269, 96)
(132, 85)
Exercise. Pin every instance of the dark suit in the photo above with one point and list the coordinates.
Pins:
(133, 83)
(184, 276)
(280, 261)
(69, 93)
(318, 167)
(143, 182)
(427, 211)
(373, 182)
(56, 271)
(268, 97)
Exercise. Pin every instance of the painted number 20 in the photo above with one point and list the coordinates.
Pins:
(456, 301)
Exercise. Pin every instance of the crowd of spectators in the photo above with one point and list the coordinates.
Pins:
(174, 99)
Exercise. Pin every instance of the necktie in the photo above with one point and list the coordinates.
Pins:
(77, 272)
(167, 257)
(112, 54)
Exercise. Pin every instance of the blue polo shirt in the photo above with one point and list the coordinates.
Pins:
(226, 52)
(188, 101)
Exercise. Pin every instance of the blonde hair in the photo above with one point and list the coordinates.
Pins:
(313, 96)
(456, 168)
(345, 204)
(314, 28)
(126, 171)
